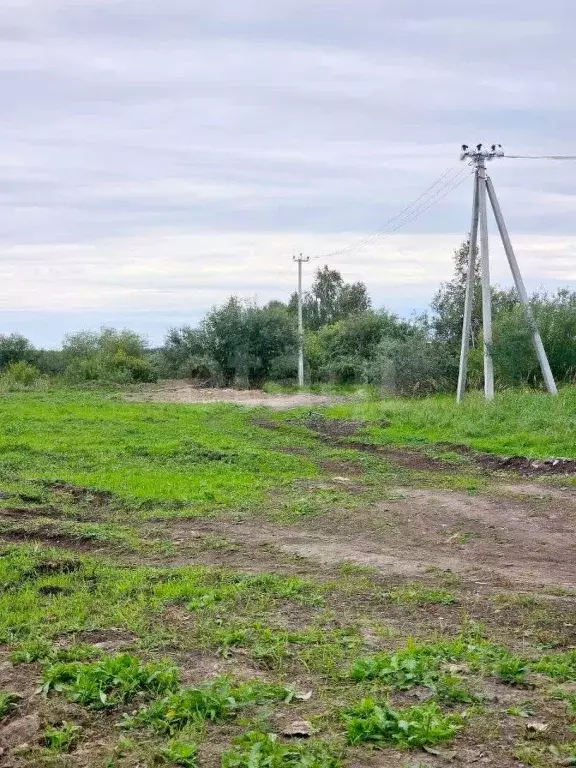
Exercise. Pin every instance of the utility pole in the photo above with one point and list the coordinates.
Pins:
(469, 298)
(300, 259)
(485, 277)
(483, 187)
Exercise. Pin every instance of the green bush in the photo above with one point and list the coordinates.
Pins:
(109, 355)
(22, 373)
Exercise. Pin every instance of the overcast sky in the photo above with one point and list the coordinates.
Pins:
(158, 155)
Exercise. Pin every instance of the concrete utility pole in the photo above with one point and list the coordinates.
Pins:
(483, 186)
(485, 276)
(300, 259)
(469, 298)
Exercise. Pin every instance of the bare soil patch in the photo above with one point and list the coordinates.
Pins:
(489, 538)
(181, 392)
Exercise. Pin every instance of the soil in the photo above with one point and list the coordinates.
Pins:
(516, 538)
(181, 392)
(486, 538)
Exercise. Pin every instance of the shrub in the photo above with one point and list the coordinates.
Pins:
(15, 348)
(22, 373)
(108, 355)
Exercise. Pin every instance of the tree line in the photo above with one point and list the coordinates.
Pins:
(347, 341)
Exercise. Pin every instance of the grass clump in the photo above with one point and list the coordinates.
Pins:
(235, 589)
(414, 665)
(41, 649)
(110, 681)
(418, 594)
(264, 750)
(218, 700)
(62, 739)
(511, 670)
(559, 666)
(8, 703)
(417, 726)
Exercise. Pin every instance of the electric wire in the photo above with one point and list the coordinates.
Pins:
(430, 197)
(541, 157)
(393, 219)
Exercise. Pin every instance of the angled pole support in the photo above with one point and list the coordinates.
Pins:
(515, 269)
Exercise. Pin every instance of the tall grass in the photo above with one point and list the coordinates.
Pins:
(529, 423)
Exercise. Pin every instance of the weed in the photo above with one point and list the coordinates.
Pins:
(181, 753)
(414, 665)
(218, 700)
(522, 710)
(41, 649)
(110, 681)
(421, 595)
(559, 666)
(62, 739)
(264, 750)
(416, 726)
(8, 702)
(451, 689)
(511, 670)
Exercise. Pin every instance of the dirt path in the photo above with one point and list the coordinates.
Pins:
(180, 392)
(527, 539)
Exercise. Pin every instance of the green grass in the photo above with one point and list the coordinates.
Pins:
(421, 595)
(516, 423)
(261, 637)
(183, 753)
(8, 703)
(202, 455)
(62, 739)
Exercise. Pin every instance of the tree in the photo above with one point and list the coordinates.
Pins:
(331, 299)
(109, 355)
(15, 348)
(185, 354)
(448, 311)
(225, 340)
(340, 351)
(515, 361)
(236, 342)
(448, 303)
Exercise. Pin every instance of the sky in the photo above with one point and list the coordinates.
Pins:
(158, 156)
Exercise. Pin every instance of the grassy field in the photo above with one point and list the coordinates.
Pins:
(213, 585)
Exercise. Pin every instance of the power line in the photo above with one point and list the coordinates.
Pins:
(430, 197)
(393, 219)
(541, 157)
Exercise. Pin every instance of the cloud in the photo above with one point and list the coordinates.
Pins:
(156, 157)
